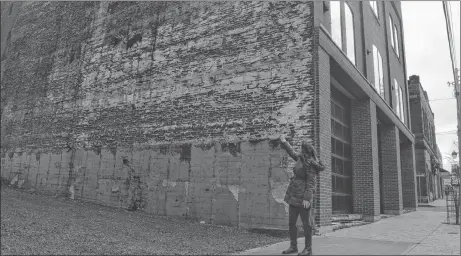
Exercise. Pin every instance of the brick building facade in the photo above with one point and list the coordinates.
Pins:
(173, 107)
(428, 156)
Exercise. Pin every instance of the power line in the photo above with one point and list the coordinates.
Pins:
(443, 99)
(449, 23)
(447, 132)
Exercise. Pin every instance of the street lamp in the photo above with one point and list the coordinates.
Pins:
(456, 195)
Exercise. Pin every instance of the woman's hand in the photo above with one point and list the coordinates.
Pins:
(306, 204)
(282, 138)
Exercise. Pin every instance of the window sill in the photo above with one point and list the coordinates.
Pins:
(377, 92)
(340, 193)
(345, 54)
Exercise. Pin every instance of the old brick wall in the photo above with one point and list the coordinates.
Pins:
(163, 106)
(409, 179)
(391, 169)
(365, 159)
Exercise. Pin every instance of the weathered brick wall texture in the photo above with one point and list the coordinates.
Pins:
(166, 106)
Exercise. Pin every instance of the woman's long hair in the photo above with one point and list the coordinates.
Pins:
(308, 154)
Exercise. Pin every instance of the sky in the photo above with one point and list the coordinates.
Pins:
(428, 55)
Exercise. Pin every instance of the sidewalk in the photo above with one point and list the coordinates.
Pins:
(442, 202)
(414, 233)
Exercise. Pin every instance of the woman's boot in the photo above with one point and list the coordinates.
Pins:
(292, 217)
(292, 249)
(307, 251)
(308, 241)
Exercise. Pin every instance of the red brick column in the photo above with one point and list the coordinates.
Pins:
(365, 165)
(323, 140)
(391, 172)
(409, 192)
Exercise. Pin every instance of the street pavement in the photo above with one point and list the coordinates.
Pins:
(421, 232)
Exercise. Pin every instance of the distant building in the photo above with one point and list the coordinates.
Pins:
(428, 157)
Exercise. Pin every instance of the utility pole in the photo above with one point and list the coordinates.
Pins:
(456, 84)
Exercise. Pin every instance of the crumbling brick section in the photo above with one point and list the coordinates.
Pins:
(365, 163)
(391, 172)
(409, 192)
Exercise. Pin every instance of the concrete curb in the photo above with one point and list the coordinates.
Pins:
(250, 251)
(409, 249)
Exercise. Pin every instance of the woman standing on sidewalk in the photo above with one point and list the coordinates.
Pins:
(300, 193)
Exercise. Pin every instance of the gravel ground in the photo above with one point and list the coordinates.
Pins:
(39, 224)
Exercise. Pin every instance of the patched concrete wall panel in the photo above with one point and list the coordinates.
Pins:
(90, 182)
(158, 180)
(7, 163)
(77, 176)
(43, 171)
(34, 163)
(52, 182)
(64, 174)
(16, 164)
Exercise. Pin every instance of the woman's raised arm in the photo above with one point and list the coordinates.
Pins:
(288, 148)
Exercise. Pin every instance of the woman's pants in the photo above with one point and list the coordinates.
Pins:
(293, 213)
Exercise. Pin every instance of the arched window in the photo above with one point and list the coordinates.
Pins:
(396, 38)
(378, 71)
(350, 40)
(394, 35)
(391, 25)
(399, 100)
(335, 7)
(340, 11)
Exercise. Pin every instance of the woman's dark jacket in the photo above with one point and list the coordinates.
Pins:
(303, 183)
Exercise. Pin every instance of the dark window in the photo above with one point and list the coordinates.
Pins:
(11, 9)
(341, 157)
